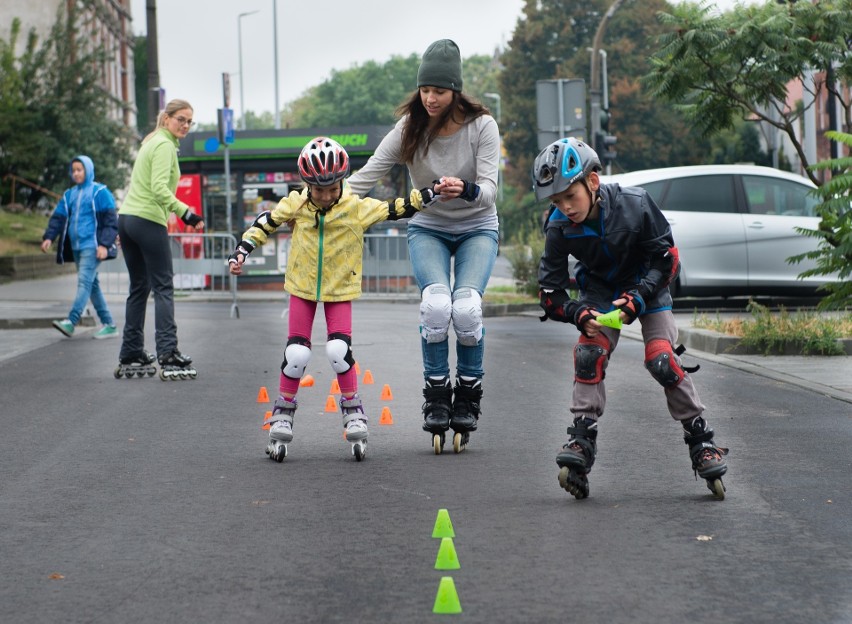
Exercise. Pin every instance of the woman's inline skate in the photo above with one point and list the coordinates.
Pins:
(708, 461)
(577, 457)
(138, 365)
(176, 366)
(437, 410)
(466, 398)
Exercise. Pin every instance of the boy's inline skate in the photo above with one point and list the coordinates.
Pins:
(466, 397)
(437, 410)
(577, 457)
(138, 365)
(708, 461)
(354, 425)
(176, 366)
(281, 427)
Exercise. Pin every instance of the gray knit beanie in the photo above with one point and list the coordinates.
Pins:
(441, 66)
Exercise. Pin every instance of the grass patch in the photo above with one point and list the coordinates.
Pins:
(810, 332)
(507, 294)
(20, 232)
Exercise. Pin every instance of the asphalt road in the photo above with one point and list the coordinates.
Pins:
(144, 501)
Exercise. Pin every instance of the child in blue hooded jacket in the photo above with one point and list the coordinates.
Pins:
(86, 223)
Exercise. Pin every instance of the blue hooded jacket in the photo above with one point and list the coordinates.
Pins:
(85, 217)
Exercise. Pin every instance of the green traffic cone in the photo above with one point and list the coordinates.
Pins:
(610, 319)
(447, 558)
(443, 525)
(447, 600)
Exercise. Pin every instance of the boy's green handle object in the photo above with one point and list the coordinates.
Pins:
(610, 319)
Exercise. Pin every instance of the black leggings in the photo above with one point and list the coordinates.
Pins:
(148, 255)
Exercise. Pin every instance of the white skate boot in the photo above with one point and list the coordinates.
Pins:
(355, 425)
(281, 429)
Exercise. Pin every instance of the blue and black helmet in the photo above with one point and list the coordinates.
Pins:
(562, 163)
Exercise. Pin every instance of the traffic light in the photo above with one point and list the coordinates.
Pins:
(604, 147)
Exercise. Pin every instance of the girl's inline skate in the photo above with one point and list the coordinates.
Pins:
(138, 365)
(281, 427)
(176, 366)
(708, 461)
(437, 410)
(466, 397)
(577, 457)
(355, 425)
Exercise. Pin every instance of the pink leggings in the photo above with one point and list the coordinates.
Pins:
(338, 318)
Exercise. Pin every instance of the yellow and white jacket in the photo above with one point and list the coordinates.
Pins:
(327, 247)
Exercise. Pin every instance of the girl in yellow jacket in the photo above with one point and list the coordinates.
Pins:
(324, 264)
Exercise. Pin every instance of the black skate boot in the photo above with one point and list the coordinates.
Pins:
(466, 397)
(137, 365)
(176, 366)
(437, 410)
(577, 457)
(708, 461)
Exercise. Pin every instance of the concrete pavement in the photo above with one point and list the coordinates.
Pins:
(27, 308)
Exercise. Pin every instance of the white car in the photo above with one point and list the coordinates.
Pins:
(734, 226)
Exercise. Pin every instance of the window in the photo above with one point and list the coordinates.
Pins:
(774, 196)
(701, 194)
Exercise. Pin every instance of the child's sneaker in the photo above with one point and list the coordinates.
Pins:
(107, 331)
(65, 326)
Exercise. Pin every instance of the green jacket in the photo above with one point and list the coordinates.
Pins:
(154, 181)
(326, 250)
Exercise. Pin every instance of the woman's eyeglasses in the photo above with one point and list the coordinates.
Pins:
(183, 121)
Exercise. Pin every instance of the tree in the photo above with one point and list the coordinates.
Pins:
(834, 255)
(720, 67)
(53, 108)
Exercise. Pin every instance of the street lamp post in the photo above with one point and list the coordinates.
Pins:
(240, 54)
(275, 60)
(498, 117)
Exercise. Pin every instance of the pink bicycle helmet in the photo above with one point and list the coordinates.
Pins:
(323, 162)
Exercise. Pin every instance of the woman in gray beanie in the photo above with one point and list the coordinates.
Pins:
(443, 136)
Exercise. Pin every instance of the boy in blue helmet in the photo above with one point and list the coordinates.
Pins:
(626, 260)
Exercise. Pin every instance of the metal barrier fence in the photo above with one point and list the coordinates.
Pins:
(199, 262)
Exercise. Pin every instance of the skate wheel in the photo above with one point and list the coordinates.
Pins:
(278, 453)
(718, 488)
(163, 375)
(573, 483)
(438, 443)
(193, 374)
(458, 442)
(117, 373)
(359, 450)
(152, 372)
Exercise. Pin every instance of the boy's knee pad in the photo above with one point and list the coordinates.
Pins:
(296, 357)
(435, 312)
(661, 362)
(590, 355)
(467, 316)
(339, 352)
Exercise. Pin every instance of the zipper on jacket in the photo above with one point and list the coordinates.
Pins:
(320, 253)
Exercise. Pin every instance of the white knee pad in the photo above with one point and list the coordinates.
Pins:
(435, 313)
(339, 353)
(296, 358)
(467, 316)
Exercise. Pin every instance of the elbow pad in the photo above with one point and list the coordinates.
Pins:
(265, 222)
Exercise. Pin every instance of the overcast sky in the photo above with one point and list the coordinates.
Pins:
(198, 41)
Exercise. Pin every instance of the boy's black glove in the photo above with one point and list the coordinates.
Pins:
(634, 306)
(191, 219)
(553, 302)
(581, 317)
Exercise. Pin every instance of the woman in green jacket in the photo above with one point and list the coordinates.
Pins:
(144, 240)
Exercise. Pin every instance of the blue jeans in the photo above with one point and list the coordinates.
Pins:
(88, 287)
(471, 256)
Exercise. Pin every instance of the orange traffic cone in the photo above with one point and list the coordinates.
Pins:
(335, 386)
(330, 404)
(368, 377)
(266, 417)
(357, 368)
(386, 418)
(262, 395)
(307, 381)
(387, 395)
